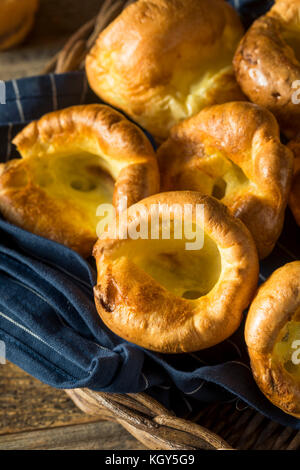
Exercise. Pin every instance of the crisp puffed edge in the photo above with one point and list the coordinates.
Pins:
(103, 131)
(287, 11)
(274, 305)
(137, 308)
(294, 199)
(266, 67)
(156, 32)
(24, 19)
(97, 129)
(249, 136)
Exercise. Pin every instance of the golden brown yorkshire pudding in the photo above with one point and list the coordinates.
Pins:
(272, 334)
(73, 160)
(233, 152)
(161, 294)
(294, 199)
(16, 20)
(267, 63)
(162, 61)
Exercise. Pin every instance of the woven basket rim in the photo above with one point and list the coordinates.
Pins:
(223, 426)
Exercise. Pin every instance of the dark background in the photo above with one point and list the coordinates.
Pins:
(55, 21)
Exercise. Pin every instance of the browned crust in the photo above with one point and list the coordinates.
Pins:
(34, 210)
(276, 385)
(97, 129)
(266, 66)
(16, 20)
(249, 136)
(94, 126)
(294, 199)
(100, 130)
(139, 309)
(275, 304)
(133, 62)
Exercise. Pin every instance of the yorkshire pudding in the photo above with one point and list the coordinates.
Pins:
(233, 152)
(272, 335)
(73, 160)
(16, 20)
(162, 61)
(267, 63)
(294, 199)
(159, 293)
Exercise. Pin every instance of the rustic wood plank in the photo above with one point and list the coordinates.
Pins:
(90, 436)
(36, 416)
(29, 59)
(28, 404)
(64, 16)
(55, 22)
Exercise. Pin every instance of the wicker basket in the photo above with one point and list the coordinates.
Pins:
(218, 426)
(215, 427)
(72, 55)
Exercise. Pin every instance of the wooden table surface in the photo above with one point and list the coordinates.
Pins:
(34, 415)
(55, 22)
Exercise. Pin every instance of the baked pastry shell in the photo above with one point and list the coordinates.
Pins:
(248, 136)
(16, 21)
(267, 63)
(124, 151)
(138, 308)
(148, 62)
(275, 304)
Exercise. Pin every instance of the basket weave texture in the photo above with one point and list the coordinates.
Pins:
(218, 426)
(72, 55)
(214, 427)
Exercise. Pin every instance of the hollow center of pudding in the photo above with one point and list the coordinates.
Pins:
(77, 180)
(214, 174)
(287, 347)
(186, 273)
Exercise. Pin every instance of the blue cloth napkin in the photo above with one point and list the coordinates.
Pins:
(249, 10)
(48, 321)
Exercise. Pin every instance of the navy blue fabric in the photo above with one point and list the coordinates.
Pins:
(249, 10)
(29, 99)
(48, 320)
